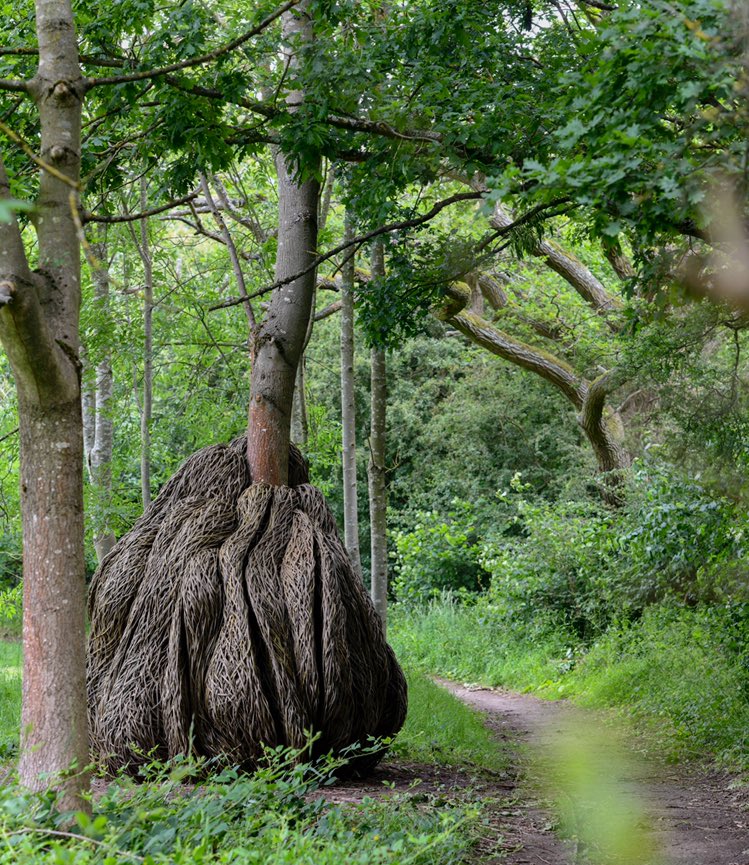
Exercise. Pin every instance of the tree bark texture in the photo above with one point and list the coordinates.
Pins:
(100, 455)
(376, 469)
(279, 339)
(585, 283)
(39, 314)
(299, 418)
(348, 411)
(147, 407)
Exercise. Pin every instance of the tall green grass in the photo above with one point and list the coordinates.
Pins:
(683, 674)
(469, 643)
(441, 729)
(10, 695)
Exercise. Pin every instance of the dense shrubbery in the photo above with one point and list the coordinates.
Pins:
(438, 553)
(577, 566)
(645, 608)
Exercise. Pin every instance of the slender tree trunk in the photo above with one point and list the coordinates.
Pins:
(100, 459)
(147, 407)
(327, 196)
(88, 408)
(39, 314)
(299, 417)
(279, 340)
(348, 410)
(377, 491)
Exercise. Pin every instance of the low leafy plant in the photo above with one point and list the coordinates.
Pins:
(176, 815)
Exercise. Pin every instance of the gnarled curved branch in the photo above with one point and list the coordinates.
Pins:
(488, 336)
(597, 422)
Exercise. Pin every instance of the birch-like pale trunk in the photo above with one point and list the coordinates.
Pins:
(299, 416)
(147, 403)
(100, 455)
(348, 410)
(376, 468)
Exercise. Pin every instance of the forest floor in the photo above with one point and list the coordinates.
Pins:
(627, 805)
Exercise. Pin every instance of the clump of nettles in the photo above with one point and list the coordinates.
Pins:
(230, 619)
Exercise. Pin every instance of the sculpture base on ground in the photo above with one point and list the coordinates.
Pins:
(230, 618)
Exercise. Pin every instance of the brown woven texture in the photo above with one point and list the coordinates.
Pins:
(230, 618)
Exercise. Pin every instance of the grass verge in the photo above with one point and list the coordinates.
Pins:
(682, 675)
(441, 729)
(10, 696)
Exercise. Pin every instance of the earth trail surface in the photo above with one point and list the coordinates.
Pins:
(684, 816)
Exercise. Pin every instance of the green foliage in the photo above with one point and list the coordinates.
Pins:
(461, 424)
(437, 553)
(577, 566)
(648, 131)
(323, 448)
(270, 817)
(11, 600)
(685, 671)
(10, 696)
(553, 567)
(676, 540)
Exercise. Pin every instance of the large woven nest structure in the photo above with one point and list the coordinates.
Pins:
(230, 618)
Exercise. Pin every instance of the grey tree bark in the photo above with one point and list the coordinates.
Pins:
(348, 410)
(376, 468)
(299, 416)
(100, 455)
(147, 404)
(39, 315)
(279, 340)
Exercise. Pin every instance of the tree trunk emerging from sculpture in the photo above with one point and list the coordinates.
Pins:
(231, 617)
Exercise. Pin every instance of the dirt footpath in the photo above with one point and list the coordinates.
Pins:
(667, 815)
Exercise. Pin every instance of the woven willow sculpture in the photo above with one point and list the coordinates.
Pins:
(230, 618)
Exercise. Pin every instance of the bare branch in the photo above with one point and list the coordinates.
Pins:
(570, 268)
(358, 241)
(14, 85)
(134, 217)
(19, 52)
(597, 4)
(9, 435)
(197, 61)
(489, 336)
(339, 121)
(86, 59)
(37, 160)
(330, 309)
(231, 247)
